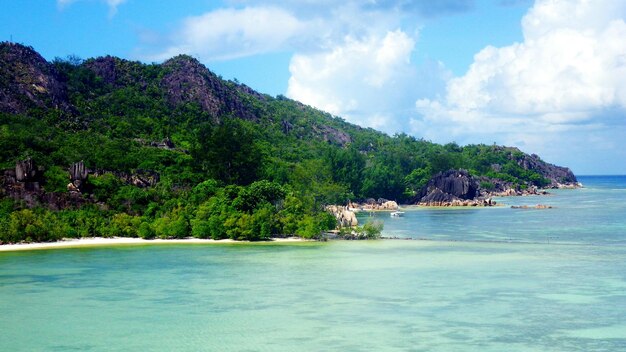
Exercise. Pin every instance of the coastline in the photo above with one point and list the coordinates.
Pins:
(117, 241)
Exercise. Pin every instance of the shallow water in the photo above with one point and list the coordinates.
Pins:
(495, 279)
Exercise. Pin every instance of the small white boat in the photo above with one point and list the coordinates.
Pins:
(397, 214)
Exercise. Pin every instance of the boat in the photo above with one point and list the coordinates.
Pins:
(397, 214)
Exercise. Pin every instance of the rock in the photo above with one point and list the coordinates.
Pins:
(452, 188)
(344, 216)
(29, 81)
(538, 206)
(452, 184)
(371, 204)
(25, 171)
(72, 188)
(164, 144)
(188, 81)
(78, 176)
(389, 205)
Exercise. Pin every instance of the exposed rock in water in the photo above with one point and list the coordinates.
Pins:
(372, 204)
(538, 206)
(345, 217)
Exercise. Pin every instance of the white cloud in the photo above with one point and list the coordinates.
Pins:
(370, 81)
(565, 76)
(231, 33)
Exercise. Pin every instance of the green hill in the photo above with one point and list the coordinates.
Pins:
(171, 149)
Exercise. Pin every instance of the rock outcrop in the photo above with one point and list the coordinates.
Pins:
(538, 206)
(78, 177)
(139, 178)
(453, 188)
(372, 204)
(187, 80)
(25, 171)
(344, 216)
(23, 183)
(559, 177)
(28, 81)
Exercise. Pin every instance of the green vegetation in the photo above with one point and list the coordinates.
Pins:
(227, 177)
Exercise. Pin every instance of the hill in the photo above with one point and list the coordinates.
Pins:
(172, 149)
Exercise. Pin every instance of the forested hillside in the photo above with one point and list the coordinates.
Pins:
(110, 147)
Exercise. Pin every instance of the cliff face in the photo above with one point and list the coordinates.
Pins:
(557, 175)
(450, 185)
(27, 81)
(187, 80)
(453, 187)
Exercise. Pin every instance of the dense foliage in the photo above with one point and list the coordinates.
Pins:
(227, 176)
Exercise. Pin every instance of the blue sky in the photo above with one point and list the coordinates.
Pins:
(547, 76)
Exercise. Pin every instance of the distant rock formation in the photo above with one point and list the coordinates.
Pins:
(559, 177)
(538, 206)
(344, 216)
(453, 188)
(372, 204)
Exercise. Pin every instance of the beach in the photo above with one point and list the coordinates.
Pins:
(114, 241)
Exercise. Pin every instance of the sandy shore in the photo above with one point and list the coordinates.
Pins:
(100, 241)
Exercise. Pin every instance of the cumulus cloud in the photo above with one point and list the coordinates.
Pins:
(250, 27)
(370, 81)
(231, 33)
(564, 78)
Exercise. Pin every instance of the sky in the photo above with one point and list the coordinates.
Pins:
(546, 76)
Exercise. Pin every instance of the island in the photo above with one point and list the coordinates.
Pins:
(107, 147)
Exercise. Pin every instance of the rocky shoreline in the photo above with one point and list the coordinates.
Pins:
(459, 188)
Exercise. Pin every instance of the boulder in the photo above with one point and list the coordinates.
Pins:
(78, 176)
(25, 171)
(389, 205)
(453, 187)
(344, 216)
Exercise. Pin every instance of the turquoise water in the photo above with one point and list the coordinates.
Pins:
(495, 279)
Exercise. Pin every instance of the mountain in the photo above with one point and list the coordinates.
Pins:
(27, 81)
(154, 144)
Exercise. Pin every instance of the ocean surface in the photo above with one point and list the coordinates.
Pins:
(479, 279)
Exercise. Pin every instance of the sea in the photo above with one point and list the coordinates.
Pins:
(462, 279)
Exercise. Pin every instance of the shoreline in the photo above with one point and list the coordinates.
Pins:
(116, 241)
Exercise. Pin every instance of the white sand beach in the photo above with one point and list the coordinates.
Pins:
(101, 241)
